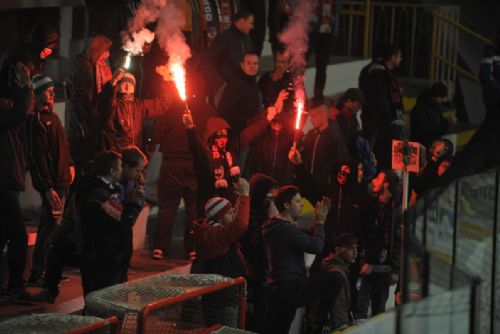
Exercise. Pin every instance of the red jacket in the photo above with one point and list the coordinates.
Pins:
(217, 248)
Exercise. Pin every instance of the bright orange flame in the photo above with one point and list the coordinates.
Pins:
(300, 109)
(179, 77)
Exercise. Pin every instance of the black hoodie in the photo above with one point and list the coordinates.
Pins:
(427, 120)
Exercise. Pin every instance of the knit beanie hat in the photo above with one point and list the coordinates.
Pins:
(128, 77)
(41, 82)
(216, 208)
(439, 89)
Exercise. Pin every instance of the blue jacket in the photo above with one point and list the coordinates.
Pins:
(489, 75)
(286, 244)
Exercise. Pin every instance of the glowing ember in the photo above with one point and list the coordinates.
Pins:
(128, 59)
(179, 77)
(300, 109)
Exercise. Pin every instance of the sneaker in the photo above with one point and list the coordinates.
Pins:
(158, 255)
(36, 281)
(19, 295)
(44, 296)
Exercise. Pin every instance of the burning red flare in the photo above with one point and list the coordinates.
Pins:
(179, 77)
(300, 109)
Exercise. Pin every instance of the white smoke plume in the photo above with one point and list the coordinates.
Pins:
(135, 44)
(295, 35)
(147, 12)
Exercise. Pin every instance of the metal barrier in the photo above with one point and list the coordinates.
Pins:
(196, 311)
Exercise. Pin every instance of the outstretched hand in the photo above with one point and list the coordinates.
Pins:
(321, 210)
(187, 119)
(282, 96)
(242, 187)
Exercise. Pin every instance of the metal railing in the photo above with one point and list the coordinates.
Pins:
(365, 24)
(443, 61)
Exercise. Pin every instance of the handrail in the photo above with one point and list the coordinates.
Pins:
(435, 56)
(366, 33)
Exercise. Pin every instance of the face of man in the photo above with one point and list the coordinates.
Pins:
(348, 253)
(282, 61)
(250, 65)
(45, 100)
(353, 105)
(220, 139)
(116, 172)
(246, 25)
(396, 59)
(295, 206)
(343, 174)
(319, 117)
(378, 183)
(132, 173)
(443, 167)
(437, 150)
(229, 216)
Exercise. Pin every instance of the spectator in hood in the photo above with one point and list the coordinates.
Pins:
(427, 120)
(122, 114)
(90, 73)
(216, 156)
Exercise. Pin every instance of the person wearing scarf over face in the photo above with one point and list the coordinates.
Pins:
(216, 156)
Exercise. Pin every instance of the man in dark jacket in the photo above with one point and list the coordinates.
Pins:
(16, 101)
(241, 98)
(106, 223)
(381, 242)
(285, 242)
(122, 115)
(177, 178)
(221, 61)
(383, 118)
(90, 74)
(327, 315)
(321, 147)
(50, 165)
(427, 120)
(489, 75)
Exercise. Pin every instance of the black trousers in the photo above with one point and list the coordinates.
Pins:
(63, 252)
(375, 290)
(321, 46)
(100, 276)
(13, 233)
(177, 180)
(284, 299)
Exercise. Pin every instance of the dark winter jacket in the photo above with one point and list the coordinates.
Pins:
(333, 313)
(286, 244)
(170, 131)
(122, 120)
(217, 247)
(489, 75)
(222, 59)
(15, 104)
(269, 155)
(380, 232)
(320, 150)
(240, 100)
(427, 120)
(106, 224)
(48, 151)
(270, 90)
(383, 95)
(212, 164)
